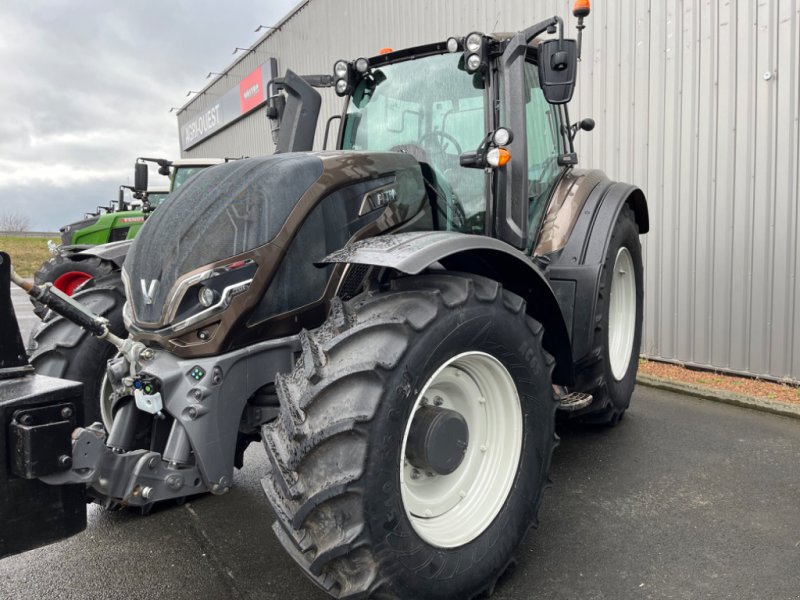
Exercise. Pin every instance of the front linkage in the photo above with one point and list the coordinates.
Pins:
(197, 428)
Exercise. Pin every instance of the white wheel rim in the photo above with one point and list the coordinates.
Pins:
(451, 510)
(622, 314)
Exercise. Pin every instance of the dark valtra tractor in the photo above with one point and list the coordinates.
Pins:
(397, 321)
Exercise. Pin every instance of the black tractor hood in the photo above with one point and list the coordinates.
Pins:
(219, 213)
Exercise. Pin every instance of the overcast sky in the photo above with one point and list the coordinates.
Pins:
(86, 87)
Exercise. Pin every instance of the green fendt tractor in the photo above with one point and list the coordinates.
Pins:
(73, 262)
(397, 321)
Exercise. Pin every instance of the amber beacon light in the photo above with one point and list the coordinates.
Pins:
(581, 9)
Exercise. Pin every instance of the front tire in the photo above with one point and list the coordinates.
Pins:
(60, 348)
(340, 479)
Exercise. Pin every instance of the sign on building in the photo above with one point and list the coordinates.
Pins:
(230, 107)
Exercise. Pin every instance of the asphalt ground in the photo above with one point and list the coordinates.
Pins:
(684, 499)
(24, 311)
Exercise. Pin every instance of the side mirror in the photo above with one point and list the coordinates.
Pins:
(140, 177)
(558, 64)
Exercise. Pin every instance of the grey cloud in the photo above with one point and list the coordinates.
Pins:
(86, 87)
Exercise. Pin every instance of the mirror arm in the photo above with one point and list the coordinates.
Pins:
(534, 30)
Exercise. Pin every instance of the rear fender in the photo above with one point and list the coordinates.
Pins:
(412, 253)
(574, 271)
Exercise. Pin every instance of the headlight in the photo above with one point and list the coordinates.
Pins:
(207, 296)
(473, 63)
(340, 69)
(474, 42)
(362, 65)
(341, 87)
(502, 137)
(452, 45)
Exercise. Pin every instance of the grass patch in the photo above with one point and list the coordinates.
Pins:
(27, 254)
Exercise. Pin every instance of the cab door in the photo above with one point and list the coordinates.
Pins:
(544, 146)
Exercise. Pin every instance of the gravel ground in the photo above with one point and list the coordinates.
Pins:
(746, 386)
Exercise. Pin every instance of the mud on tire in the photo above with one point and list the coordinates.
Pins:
(59, 348)
(335, 449)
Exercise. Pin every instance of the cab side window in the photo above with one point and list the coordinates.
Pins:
(544, 147)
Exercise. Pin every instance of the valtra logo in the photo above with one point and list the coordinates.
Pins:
(251, 91)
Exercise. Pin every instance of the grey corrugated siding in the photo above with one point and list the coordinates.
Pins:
(682, 110)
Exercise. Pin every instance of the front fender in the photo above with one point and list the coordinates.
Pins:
(114, 252)
(412, 253)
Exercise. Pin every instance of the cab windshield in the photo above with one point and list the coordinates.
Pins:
(181, 174)
(432, 109)
(156, 198)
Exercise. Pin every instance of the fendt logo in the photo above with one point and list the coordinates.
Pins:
(148, 291)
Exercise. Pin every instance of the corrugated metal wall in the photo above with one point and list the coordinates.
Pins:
(696, 101)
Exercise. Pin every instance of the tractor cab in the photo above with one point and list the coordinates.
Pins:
(464, 108)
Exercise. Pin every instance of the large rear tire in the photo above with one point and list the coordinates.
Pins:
(356, 508)
(609, 374)
(60, 348)
(69, 274)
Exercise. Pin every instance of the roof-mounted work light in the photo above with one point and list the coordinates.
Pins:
(343, 77)
(474, 52)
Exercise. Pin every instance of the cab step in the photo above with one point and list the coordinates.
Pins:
(574, 401)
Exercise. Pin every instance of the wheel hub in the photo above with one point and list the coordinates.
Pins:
(437, 440)
(473, 454)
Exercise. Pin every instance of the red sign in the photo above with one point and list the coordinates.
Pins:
(251, 91)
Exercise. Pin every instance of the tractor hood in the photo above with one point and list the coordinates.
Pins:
(205, 258)
(67, 231)
(222, 212)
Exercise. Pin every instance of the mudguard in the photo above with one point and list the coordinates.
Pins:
(114, 252)
(413, 252)
(574, 271)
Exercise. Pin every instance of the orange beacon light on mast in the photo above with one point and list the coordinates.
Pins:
(581, 9)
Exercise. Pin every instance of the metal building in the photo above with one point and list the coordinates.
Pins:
(696, 102)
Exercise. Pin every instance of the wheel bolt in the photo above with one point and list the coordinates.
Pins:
(414, 474)
(437, 401)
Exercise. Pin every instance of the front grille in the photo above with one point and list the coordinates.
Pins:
(117, 235)
(353, 281)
